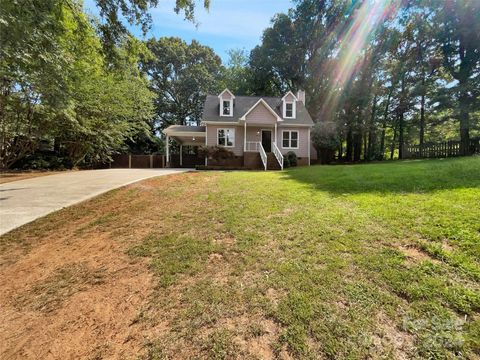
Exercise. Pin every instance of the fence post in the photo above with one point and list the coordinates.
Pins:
(151, 161)
(129, 161)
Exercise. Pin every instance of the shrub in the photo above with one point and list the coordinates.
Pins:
(292, 158)
(215, 152)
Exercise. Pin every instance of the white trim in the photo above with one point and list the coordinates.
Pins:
(276, 134)
(225, 130)
(289, 93)
(290, 139)
(221, 113)
(244, 117)
(206, 144)
(231, 94)
(294, 106)
(295, 125)
(220, 122)
(309, 145)
(184, 133)
(294, 109)
(168, 150)
(244, 136)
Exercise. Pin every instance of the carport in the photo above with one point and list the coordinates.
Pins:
(184, 136)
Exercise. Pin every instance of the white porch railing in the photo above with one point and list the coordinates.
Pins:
(263, 155)
(256, 146)
(278, 154)
(252, 146)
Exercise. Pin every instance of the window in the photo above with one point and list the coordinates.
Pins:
(289, 110)
(226, 137)
(290, 139)
(226, 107)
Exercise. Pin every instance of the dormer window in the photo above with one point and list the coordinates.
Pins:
(289, 110)
(289, 106)
(226, 103)
(226, 108)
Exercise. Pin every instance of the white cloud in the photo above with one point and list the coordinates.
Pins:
(225, 18)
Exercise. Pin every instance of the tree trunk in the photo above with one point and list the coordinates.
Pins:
(384, 124)
(365, 146)
(394, 140)
(357, 146)
(400, 136)
(422, 116)
(464, 124)
(371, 130)
(349, 149)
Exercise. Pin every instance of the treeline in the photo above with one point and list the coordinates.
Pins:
(72, 91)
(60, 91)
(378, 75)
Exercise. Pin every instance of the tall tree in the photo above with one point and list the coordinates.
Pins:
(134, 12)
(181, 75)
(458, 33)
(58, 87)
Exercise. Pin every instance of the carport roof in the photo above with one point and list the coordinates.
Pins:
(183, 128)
(186, 135)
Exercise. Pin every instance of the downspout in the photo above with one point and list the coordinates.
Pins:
(309, 145)
(245, 137)
(206, 137)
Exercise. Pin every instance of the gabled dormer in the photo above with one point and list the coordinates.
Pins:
(289, 106)
(226, 103)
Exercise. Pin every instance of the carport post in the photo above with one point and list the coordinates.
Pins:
(181, 148)
(167, 151)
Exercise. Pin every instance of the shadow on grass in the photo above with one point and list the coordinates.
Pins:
(410, 176)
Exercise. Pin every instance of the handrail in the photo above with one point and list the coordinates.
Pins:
(263, 155)
(252, 146)
(278, 154)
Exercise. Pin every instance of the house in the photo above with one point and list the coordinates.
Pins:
(259, 131)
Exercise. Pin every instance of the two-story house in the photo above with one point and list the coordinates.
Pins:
(260, 131)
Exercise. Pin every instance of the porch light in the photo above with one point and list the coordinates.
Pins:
(258, 132)
(193, 139)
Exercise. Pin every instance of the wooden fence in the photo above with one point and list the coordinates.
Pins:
(138, 161)
(439, 150)
(126, 161)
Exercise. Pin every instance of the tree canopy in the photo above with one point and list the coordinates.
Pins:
(181, 75)
(381, 72)
(57, 89)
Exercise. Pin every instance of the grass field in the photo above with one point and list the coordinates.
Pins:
(365, 261)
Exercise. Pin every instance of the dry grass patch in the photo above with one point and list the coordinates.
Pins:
(344, 262)
(48, 294)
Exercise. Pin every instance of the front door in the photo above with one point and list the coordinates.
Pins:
(267, 140)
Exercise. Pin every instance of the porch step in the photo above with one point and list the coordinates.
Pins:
(272, 162)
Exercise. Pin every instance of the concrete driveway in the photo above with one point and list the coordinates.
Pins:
(23, 201)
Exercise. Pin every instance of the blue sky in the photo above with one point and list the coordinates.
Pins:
(229, 24)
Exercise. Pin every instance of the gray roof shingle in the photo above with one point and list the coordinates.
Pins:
(241, 104)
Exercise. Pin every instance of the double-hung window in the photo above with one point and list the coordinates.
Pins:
(289, 110)
(290, 139)
(226, 137)
(226, 108)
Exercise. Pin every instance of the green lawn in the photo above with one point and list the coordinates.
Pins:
(365, 261)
